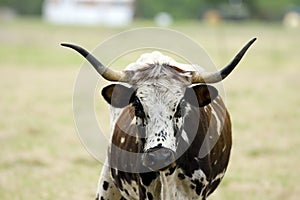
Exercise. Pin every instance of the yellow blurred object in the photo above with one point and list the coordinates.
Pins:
(212, 17)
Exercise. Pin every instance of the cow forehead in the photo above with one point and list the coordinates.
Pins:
(162, 95)
(160, 83)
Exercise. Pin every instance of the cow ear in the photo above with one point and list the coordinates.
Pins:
(200, 95)
(117, 95)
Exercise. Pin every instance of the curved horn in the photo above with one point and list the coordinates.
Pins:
(214, 77)
(105, 72)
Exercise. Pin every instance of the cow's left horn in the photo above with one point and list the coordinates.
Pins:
(215, 77)
(105, 72)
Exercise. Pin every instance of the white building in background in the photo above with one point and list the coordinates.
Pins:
(89, 12)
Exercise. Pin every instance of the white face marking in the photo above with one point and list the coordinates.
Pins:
(160, 101)
(160, 86)
(160, 89)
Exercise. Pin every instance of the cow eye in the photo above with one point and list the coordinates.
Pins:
(180, 109)
(139, 113)
(139, 110)
(178, 112)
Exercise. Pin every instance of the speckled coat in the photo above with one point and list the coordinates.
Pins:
(203, 129)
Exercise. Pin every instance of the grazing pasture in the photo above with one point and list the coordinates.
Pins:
(41, 156)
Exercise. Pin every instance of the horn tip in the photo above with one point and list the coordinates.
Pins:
(77, 48)
(66, 44)
(253, 40)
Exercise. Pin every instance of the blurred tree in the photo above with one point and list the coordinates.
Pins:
(24, 7)
(177, 8)
(270, 10)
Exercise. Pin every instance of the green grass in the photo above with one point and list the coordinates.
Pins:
(41, 156)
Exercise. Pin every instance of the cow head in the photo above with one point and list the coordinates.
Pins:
(158, 96)
(160, 104)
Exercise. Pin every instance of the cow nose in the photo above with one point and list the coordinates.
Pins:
(158, 158)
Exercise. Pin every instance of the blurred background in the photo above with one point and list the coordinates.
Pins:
(41, 156)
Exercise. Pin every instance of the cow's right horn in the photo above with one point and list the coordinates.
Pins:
(214, 77)
(105, 72)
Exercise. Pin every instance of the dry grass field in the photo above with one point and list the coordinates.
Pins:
(41, 156)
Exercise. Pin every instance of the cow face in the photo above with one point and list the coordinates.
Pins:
(160, 108)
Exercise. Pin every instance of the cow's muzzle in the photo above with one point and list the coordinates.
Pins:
(158, 158)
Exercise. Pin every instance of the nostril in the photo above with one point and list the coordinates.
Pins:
(151, 159)
(157, 159)
(164, 155)
(159, 155)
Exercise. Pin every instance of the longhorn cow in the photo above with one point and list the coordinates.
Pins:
(171, 132)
